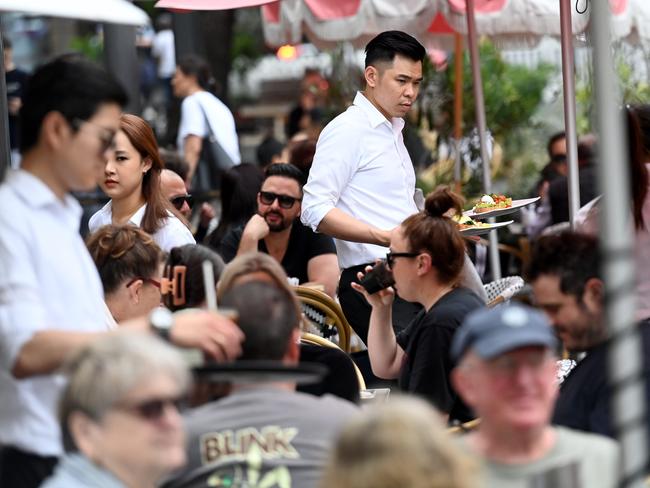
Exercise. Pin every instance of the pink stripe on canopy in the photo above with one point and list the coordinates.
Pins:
(211, 4)
(480, 6)
(333, 9)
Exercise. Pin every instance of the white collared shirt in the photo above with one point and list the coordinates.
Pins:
(362, 168)
(171, 234)
(47, 281)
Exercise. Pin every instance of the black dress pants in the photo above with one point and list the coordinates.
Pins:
(357, 310)
(20, 469)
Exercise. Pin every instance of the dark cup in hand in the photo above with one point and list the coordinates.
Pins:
(378, 278)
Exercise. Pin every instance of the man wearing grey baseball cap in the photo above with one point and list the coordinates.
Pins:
(506, 372)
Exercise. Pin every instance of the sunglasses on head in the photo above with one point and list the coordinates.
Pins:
(285, 201)
(178, 201)
(151, 281)
(152, 409)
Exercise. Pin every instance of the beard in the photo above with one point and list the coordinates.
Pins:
(277, 225)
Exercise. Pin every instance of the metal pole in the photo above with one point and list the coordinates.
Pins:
(5, 149)
(121, 59)
(616, 241)
(495, 263)
(458, 108)
(568, 84)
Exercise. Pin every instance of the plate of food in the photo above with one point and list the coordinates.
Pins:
(496, 205)
(471, 227)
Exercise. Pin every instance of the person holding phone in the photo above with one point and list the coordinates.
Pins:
(427, 254)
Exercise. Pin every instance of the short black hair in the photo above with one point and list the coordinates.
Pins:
(268, 148)
(286, 170)
(384, 47)
(267, 321)
(71, 86)
(558, 136)
(571, 256)
(193, 65)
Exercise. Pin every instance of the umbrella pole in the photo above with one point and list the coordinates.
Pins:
(5, 149)
(568, 85)
(616, 241)
(458, 108)
(495, 263)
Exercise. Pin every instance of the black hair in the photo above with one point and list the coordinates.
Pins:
(638, 130)
(6, 43)
(558, 136)
(268, 148)
(384, 47)
(193, 65)
(174, 162)
(286, 170)
(71, 86)
(191, 256)
(267, 321)
(239, 188)
(571, 256)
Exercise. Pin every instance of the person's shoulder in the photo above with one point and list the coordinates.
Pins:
(591, 446)
(326, 404)
(174, 231)
(452, 308)
(102, 217)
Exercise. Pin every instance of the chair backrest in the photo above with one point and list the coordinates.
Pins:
(466, 427)
(503, 289)
(320, 309)
(309, 338)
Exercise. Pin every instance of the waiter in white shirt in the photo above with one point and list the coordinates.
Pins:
(362, 183)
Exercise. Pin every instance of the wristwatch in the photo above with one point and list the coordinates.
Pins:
(161, 321)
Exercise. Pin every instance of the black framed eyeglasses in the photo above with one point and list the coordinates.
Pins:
(178, 201)
(285, 201)
(152, 409)
(390, 257)
(106, 136)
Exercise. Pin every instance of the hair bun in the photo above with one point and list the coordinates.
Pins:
(441, 200)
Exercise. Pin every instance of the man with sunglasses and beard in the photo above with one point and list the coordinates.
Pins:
(276, 230)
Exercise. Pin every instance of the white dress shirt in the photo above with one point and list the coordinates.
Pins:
(219, 117)
(47, 281)
(362, 168)
(171, 234)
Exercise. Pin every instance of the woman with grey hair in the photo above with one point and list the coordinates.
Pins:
(118, 414)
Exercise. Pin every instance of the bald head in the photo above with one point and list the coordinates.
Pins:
(173, 187)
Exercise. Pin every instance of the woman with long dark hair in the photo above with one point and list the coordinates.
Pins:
(132, 181)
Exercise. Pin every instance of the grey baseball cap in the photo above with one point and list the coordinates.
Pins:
(491, 332)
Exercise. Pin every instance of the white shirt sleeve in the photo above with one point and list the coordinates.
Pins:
(22, 313)
(335, 162)
(192, 121)
(173, 234)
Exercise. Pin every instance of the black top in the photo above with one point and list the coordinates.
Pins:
(426, 342)
(558, 193)
(341, 378)
(16, 81)
(584, 400)
(304, 244)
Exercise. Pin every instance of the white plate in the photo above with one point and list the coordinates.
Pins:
(516, 205)
(478, 231)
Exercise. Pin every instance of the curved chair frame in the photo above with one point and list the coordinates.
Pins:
(331, 311)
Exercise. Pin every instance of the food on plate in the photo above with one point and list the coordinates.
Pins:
(491, 202)
(465, 222)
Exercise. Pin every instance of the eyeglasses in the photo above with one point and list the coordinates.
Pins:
(178, 201)
(285, 201)
(153, 409)
(106, 136)
(151, 281)
(390, 257)
(559, 158)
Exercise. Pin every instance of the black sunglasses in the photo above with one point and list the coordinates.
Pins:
(178, 201)
(285, 201)
(390, 257)
(154, 408)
